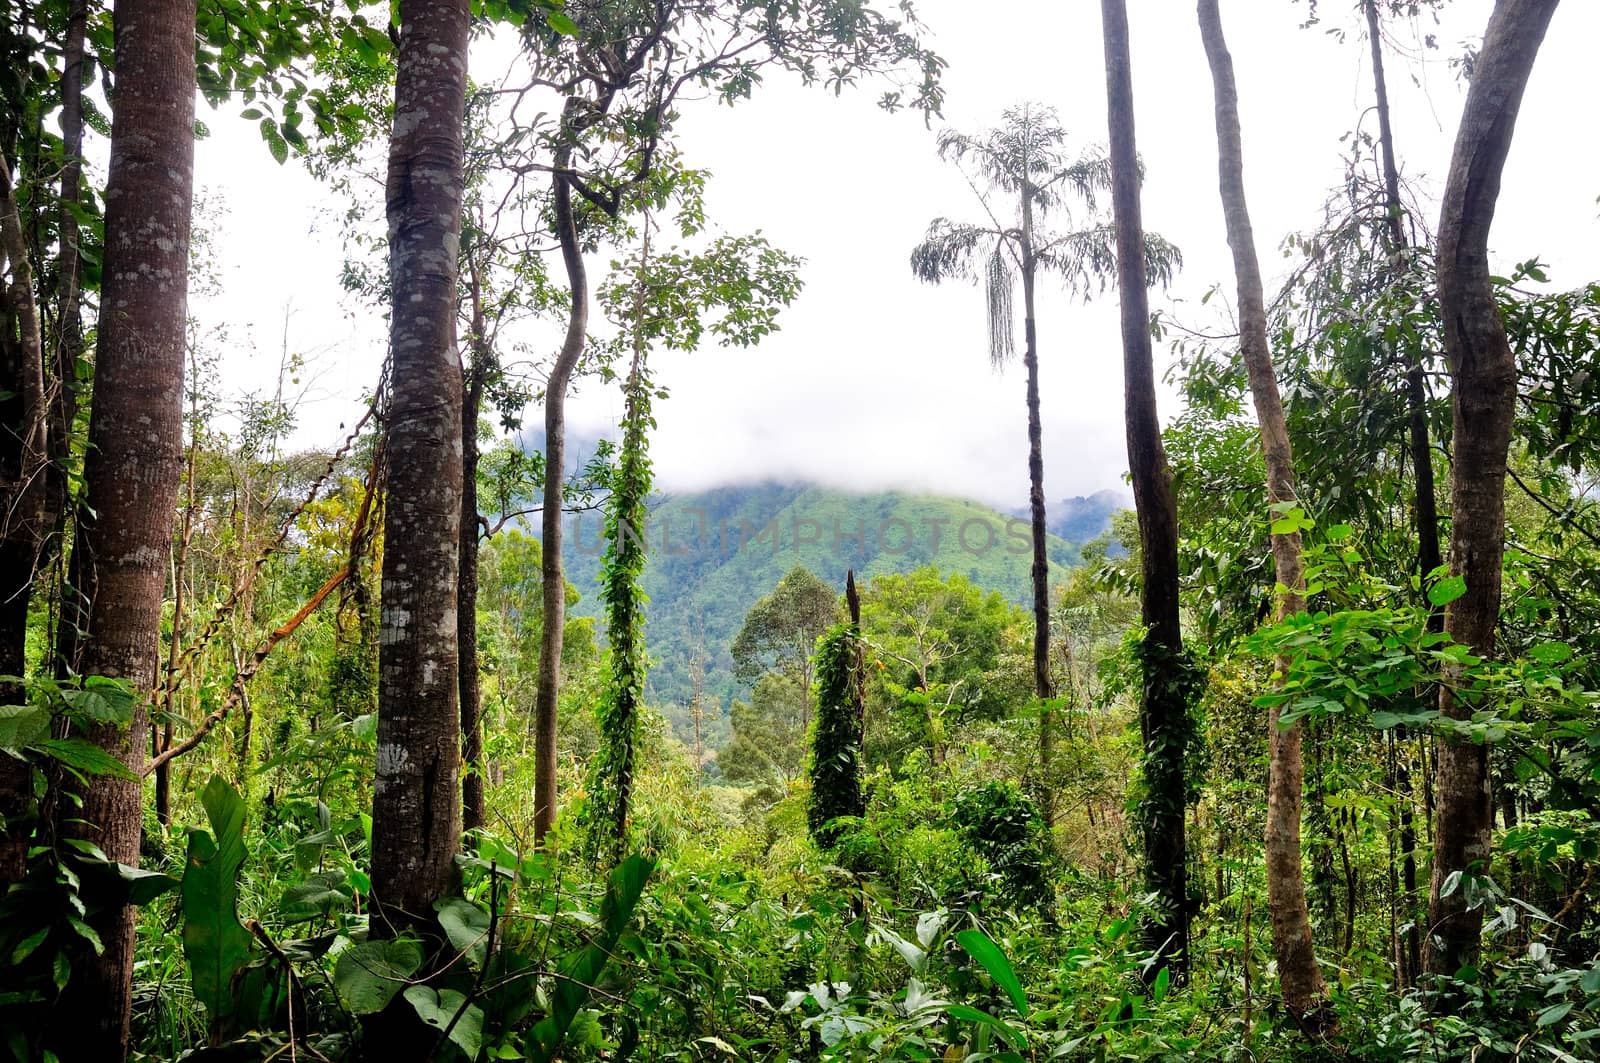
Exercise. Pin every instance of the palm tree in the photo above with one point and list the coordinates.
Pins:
(1022, 174)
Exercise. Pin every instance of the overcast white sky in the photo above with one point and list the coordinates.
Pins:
(877, 381)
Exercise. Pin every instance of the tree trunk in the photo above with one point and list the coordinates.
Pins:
(416, 805)
(1485, 378)
(1040, 570)
(472, 778)
(1426, 506)
(133, 463)
(1164, 698)
(1304, 993)
(24, 457)
(555, 428)
(1427, 512)
(69, 329)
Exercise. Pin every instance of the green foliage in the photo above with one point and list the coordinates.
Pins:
(836, 740)
(767, 750)
(714, 554)
(1004, 826)
(216, 945)
(612, 774)
(580, 971)
(368, 975)
(781, 629)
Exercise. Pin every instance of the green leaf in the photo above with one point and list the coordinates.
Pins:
(369, 975)
(140, 886)
(914, 956)
(1554, 1014)
(1158, 988)
(26, 946)
(969, 1014)
(84, 757)
(320, 894)
(581, 970)
(87, 933)
(215, 943)
(275, 142)
(983, 949)
(1447, 590)
(467, 927)
(101, 700)
(1551, 652)
(22, 726)
(562, 24)
(437, 1009)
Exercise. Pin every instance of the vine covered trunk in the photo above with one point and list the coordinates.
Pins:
(1164, 697)
(470, 692)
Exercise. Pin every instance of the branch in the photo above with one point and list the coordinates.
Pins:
(247, 673)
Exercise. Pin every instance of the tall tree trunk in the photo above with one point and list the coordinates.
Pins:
(1167, 682)
(1484, 372)
(472, 778)
(416, 803)
(24, 458)
(70, 608)
(555, 438)
(23, 454)
(134, 461)
(1304, 993)
(1040, 570)
(69, 282)
(1426, 506)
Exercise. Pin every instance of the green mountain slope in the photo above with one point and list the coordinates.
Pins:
(714, 553)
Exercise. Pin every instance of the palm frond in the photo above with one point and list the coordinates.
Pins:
(948, 251)
(1086, 260)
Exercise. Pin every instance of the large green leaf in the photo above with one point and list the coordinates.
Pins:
(439, 1009)
(580, 970)
(467, 927)
(84, 757)
(215, 943)
(101, 700)
(137, 886)
(983, 949)
(320, 894)
(22, 725)
(368, 975)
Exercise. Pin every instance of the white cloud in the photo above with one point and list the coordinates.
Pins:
(876, 380)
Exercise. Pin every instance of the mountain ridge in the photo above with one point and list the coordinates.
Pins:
(713, 553)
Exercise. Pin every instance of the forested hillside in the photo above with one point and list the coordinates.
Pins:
(488, 567)
(713, 553)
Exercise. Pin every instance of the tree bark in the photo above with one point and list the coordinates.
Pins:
(1484, 373)
(1163, 702)
(472, 777)
(1304, 993)
(555, 429)
(416, 804)
(133, 463)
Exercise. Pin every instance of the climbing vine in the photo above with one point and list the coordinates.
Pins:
(836, 745)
